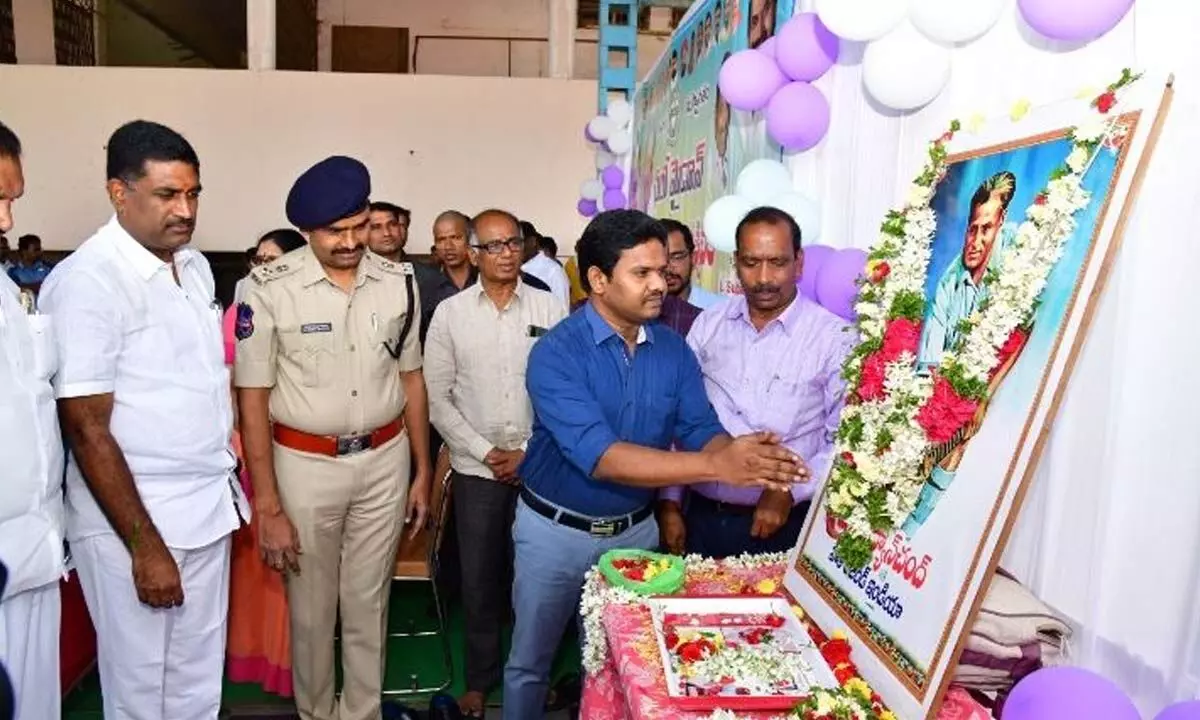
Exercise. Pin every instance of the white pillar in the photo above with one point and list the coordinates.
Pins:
(561, 33)
(33, 28)
(260, 34)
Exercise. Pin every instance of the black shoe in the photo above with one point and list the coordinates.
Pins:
(444, 707)
(567, 693)
(396, 711)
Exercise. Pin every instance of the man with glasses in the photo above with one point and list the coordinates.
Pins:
(328, 369)
(680, 250)
(475, 358)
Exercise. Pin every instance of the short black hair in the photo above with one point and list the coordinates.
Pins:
(141, 141)
(287, 239)
(396, 211)
(673, 225)
(611, 233)
(527, 229)
(770, 216)
(10, 144)
(252, 252)
(454, 215)
(547, 244)
(26, 241)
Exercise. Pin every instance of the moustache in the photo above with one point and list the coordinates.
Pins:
(347, 251)
(654, 296)
(185, 224)
(762, 289)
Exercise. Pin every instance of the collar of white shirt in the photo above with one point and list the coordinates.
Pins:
(144, 262)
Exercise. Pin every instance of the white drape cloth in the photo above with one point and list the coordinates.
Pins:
(1110, 530)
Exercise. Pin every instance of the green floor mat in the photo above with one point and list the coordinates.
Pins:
(407, 658)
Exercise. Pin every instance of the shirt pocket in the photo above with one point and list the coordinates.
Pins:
(312, 353)
(657, 420)
(45, 354)
(386, 344)
(790, 402)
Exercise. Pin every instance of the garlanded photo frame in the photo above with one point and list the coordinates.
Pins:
(977, 298)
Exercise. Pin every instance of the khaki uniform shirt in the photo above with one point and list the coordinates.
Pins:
(327, 354)
(475, 358)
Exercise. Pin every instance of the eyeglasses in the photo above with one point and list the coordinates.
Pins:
(496, 247)
(678, 256)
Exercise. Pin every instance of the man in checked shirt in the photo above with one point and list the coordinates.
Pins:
(475, 357)
(771, 361)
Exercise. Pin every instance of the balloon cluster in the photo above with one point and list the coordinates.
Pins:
(776, 77)
(1070, 692)
(613, 136)
(907, 61)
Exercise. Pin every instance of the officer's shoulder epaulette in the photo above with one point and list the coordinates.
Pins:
(275, 269)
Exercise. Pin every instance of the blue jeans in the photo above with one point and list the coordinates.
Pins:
(549, 566)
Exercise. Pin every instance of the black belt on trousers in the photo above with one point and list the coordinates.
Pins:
(719, 507)
(598, 527)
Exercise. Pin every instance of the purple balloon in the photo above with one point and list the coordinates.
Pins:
(806, 49)
(1067, 692)
(586, 207)
(748, 79)
(767, 47)
(837, 291)
(1181, 711)
(1073, 20)
(797, 116)
(814, 257)
(613, 177)
(614, 200)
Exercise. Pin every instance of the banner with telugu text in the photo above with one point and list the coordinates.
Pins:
(689, 145)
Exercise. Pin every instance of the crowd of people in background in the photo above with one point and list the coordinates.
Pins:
(227, 511)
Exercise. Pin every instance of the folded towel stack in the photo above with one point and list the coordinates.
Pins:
(1014, 635)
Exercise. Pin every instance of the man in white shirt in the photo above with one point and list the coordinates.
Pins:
(31, 489)
(475, 356)
(542, 267)
(144, 401)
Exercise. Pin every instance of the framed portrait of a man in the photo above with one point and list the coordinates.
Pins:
(905, 610)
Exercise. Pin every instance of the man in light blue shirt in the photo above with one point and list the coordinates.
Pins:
(960, 293)
(681, 248)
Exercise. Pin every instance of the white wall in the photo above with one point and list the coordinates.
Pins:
(511, 143)
(475, 20)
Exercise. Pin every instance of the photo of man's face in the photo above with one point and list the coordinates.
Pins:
(984, 225)
(721, 117)
(762, 22)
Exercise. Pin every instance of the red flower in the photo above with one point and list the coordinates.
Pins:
(672, 639)
(848, 458)
(1040, 199)
(901, 335)
(945, 412)
(870, 385)
(774, 620)
(882, 270)
(1105, 102)
(1012, 346)
(836, 652)
(845, 673)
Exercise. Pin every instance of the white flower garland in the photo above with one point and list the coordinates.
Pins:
(887, 446)
(598, 594)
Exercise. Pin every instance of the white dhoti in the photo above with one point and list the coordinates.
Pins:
(157, 663)
(29, 626)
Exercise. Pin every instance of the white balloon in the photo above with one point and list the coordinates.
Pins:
(620, 142)
(762, 180)
(863, 19)
(904, 69)
(591, 189)
(721, 220)
(955, 21)
(600, 127)
(620, 112)
(604, 158)
(804, 210)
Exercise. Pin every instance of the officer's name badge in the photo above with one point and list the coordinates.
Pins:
(536, 331)
(316, 328)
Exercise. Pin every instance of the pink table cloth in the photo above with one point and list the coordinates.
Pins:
(632, 686)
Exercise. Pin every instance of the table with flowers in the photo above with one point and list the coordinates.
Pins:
(624, 678)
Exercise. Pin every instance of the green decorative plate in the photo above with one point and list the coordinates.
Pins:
(660, 574)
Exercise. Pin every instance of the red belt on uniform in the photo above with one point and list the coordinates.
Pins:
(336, 445)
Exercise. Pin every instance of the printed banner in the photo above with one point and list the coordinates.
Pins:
(689, 145)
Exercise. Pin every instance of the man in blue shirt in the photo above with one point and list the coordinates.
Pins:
(30, 269)
(610, 391)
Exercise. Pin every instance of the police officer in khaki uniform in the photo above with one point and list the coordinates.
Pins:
(329, 367)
